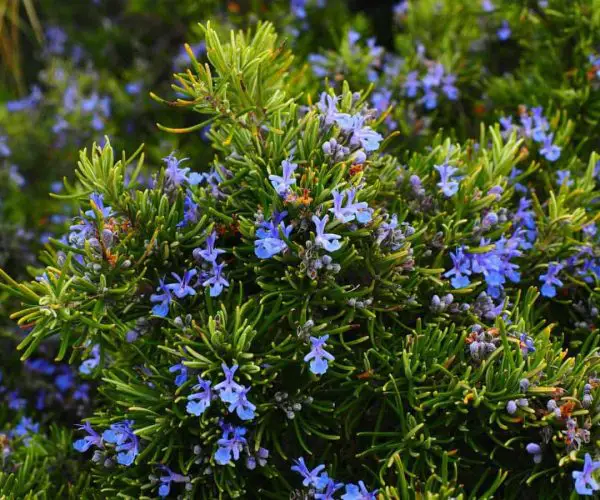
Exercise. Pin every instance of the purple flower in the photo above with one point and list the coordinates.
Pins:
(585, 484)
(199, 401)
(311, 477)
(550, 279)
(183, 373)
(269, 242)
(92, 439)
(175, 176)
(126, 442)
(228, 387)
(429, 99)
(182, 288)
(535, 450)
(511, 407)
(412, 84)
(487, 6)
(190, 211)
(359, 133)
(329, 241)
(29, 102)
(171, 477)
(216, 281)
(359, 211)
(447, 184)
(360, 492)
(241, 405)
(90, 364)
(448, 87)
(461, 269)
(550, 151)
(504, 31)
(211, 253)
(318, 356)
(328, 490)
(283, 183)
(327, 105)
(15, 402)
(231, 444)
(4, 149)
(164, 300)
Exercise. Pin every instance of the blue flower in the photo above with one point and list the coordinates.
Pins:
(412, 84)
(231, 444)
(429, 99)
(504, 31)
(585, 484)
(359, 133)
(182, 288)
(550, 279)
(211, 253)
(318, 356)
(15, 401)
(359, 211)
(283, 183)
(164, 300)
(4, 149)
(171, 477)
(92, 439)
(228, 387)
(31, 101)
(535, 450)
(360, 492)
(461, 269)
(327, 106)
(191, 213)
(269, 242)
(175, 176)
(90, 364)
(329, 241)
(449, 88)
(526, 343)
(328, 490)
(25, 428)
(447, 184)
(216, 281)
(199, 401)
(311, 477)
(126, 442)
(550, 151)
(183, 373)
(241, 405)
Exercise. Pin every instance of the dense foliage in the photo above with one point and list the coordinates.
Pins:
(346, 264)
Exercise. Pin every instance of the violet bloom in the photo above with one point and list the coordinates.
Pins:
(585, 484)
(329, 241)
(90, 364)
(175, 176)
(283, 183)
(460, 270)
(182, 377)
(164, 300)
(318, 356)
(449, 88)
(269, 242)
(228, 387)
(211, 253)
(328, 490)
(360, 492)
(447, 184)
(92, 439)
(199, 401)
(360, 134)
(429, 99)
(230, 445)
(550, 151)
(412, 84)
(563, 177)
(126, 442)
(550, 279)
(504, 31)
(216, 281)
(4, 149)
(182, 288)
(241, 405)
(327, 105)
(311, 477)
(191, 213)
(535, 450)
(171, 477)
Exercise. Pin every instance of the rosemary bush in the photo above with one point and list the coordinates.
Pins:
(328, 298)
